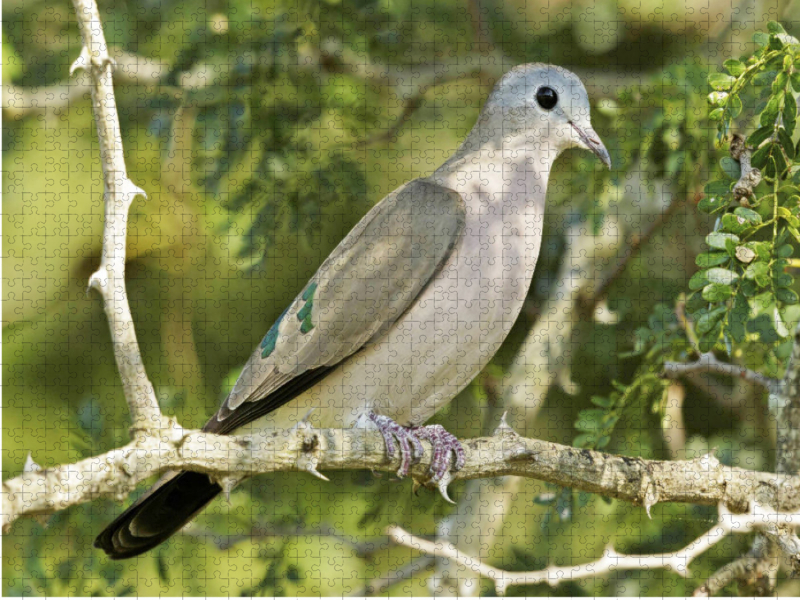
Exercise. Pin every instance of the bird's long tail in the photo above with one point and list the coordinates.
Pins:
(163, 510)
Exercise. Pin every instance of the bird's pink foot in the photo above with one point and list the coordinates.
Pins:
(443, 443)
(411, 451)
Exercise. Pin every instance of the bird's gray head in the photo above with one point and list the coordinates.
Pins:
(545, 104)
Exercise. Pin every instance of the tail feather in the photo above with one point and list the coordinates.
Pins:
(163, 510)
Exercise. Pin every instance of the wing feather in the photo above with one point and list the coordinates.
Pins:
(360, 290)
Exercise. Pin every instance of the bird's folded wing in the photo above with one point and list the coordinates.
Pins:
(360, 290)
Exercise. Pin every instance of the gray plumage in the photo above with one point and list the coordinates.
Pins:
(410, 306)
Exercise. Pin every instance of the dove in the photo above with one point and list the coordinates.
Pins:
(408, 308)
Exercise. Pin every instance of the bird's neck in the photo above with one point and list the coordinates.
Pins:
(512, 172)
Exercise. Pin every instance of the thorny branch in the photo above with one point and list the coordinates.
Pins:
(118, 196)
(302, 448)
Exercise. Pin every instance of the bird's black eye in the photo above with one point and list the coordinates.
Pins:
(546, 97)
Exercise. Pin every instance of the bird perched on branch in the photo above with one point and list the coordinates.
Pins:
(408, 308)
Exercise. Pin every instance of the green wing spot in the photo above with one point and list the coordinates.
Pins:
(309, 293)
(305, 312)
(307, 325)
(269, 341)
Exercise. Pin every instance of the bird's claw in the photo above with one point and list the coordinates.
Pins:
(411, 450)
(443, 443)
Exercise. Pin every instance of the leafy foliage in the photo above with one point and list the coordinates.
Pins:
(743, 285)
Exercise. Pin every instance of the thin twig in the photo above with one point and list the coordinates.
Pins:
(118, 196)
(677, 561)
(708, 363)
(20, 102)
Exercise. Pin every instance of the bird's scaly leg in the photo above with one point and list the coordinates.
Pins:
(411, 451)
(443, 443)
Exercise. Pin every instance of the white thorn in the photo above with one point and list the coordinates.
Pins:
(98, 280)
(30, 465)
(82, 62)
(442, 485)
(504, 428)
(130, 190)
(312, 445)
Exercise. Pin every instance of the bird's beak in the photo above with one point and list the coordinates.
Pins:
(591, 141)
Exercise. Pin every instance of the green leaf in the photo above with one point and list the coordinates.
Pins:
(795, 80)
(716, 114)
(735, 106)
(794, 232)
(718, 98)
(730, 167)
(775, 27)
(589, 419)
(734, 67)
(748, 215)
(722, 276)
(759, 158)
(720, 81)
(786, 296)
(760, 38)
(602, 401)
(738, 318)
(759, 135)
(770, 112)
(786, 214)
(698, 281)
(708, 320)
(789, 114)
(711, 259)
(718, 240)
(780, 326)
(712, 204)
(717, 292)
(785, 251)
(786, 143)
(780, 82)
(784, 280)
(734, 224)
(756, 269)
(709, 340)
(718, 187)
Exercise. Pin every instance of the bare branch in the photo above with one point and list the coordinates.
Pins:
(119, 193)
(21, 102)
(708, 363)
(641, 482)
(677, 561)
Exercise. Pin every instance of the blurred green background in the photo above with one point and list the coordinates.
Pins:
(262, 131)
